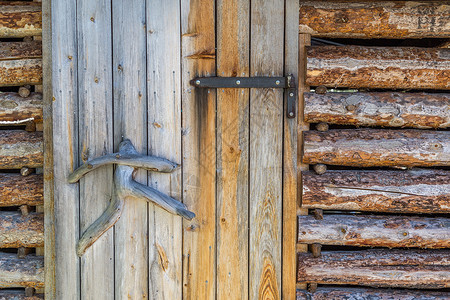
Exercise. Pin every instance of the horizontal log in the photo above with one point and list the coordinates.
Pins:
(19, 148)
(378, 67)
(414, 110)
(17, 230)
(15, 110)
(427, 269)
(375, 231)
(412, 191)
(341, 293)
(16, 190)
(20, 50)
(20, 19)
(377, 147)
(18, 295)
(21, 272)
(375, 19)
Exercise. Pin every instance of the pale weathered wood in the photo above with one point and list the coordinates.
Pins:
(413, 191)
(233, 40)
(95, 133)
(165, 231)
(15, 110)
(130, 121)
(64, 100)
(428, 269)
(375, 19)
(18, 295)
(266, 157)
(377, 147)
(20, 148)
(21, 272)
(17, 230)
(199, 149)
(379, 67)
(375, 231)
(20, 19)
(416, 110)
(16, 189)
(337, 293)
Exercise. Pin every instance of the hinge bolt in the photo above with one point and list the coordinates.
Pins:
(291, 114)
(291, 94)
(197, 82)
(277, 82)
(238, 82)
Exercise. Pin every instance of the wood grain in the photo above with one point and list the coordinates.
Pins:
(18, 295)
(19, 190)
(414, 110)
(165, 231)
(20, 19)
(17, 230)
(19, 148)
(20, 72)
(337, 293)
(375, 231)
(199, 149)
(413, 191)
(375, 19)
(426, 269)
(21, 272)
(379, 67)
(266, 158)
(377, 147)
(15, 110)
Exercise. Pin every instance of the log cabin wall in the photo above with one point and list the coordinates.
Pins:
(374, 210)
(21, 151)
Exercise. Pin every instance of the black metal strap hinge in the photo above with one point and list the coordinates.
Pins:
(287, 83)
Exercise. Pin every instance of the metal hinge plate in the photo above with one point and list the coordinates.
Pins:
(287, 83)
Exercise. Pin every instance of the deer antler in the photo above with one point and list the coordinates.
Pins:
(127, 160)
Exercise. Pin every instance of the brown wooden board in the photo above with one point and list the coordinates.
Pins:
(412, 191)
(391, 109)
(19, 149)
(16, 190)
(379, 67)
(375, 231)
(16, 110)
(20, 19)
(427, 269)
(377, 147)
(17, 230)
(375, 19)
(21, 272)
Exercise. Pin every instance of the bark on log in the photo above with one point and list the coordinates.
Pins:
(21, 272)
(337, 293)
(379, 67)
(19, 149)
(16, 190)
(375, 19)
(415, 110)
(412, 191)
(377, 148)
(428, 269)
(20, 19)
(375, 231)
(18, 295)
(15, 110)
(20, 50)
(17, 230)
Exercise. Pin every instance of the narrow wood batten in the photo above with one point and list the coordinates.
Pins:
(20, 19)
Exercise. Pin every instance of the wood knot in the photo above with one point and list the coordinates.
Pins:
(350, 107)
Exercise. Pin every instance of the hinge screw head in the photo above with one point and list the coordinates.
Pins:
(291, 94)
(197, 82)
(277, 82)
(238, 82)
(291, 114)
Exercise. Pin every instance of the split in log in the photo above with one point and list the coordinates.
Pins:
(20, 19)
(21, 272)
(427, 269)
(19, 148)
(375, 231)
(375, 19)
(17, 230)
(337, 293)
(412, 191)
(377, 148)
(415, 110)
(124, 186)
(15, 110)
(378, 67)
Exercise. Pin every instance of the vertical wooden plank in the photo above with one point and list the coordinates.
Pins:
(164, 140)
(65, 139)
(290, 152)
(266, 140)
(232, 151)
(130, 118)
(95, 139)
(199, 145)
